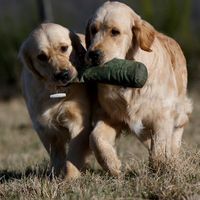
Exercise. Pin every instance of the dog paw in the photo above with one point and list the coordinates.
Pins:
(72, 171)
(114, 167)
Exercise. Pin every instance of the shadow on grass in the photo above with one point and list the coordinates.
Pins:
(105, 175)
(131, 174)
(98, 172)
(41, 171)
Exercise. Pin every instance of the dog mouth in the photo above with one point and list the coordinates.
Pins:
(55, 87)
(65, 77)
(65, 83)
(94, 57)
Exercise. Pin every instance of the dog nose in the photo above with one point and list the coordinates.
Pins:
(95, 57)
(63, 76)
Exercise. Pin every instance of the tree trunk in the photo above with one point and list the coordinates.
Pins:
(45, 10)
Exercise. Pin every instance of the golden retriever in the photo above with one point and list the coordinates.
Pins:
(158, 112)
(50, 56)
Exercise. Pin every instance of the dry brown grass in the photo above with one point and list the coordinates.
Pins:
(24, 164)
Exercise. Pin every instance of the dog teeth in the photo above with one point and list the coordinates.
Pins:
(57, 95)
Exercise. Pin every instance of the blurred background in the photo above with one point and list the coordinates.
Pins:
(179, 19)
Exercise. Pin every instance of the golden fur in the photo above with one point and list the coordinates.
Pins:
(156, 113)
(49, 49)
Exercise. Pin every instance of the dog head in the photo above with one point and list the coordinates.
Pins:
(114, 31)
(52, 53)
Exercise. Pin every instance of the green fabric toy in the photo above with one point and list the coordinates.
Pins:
(127, 73)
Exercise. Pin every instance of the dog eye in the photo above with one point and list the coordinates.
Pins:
(115, 32)
(94, 30)
(63, 49)
(43, 57)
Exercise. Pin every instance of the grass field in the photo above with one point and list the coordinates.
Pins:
(24, 164)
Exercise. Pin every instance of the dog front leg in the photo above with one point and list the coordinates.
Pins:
(161, 140)
(176, 141)
(77, 154)
(102, 140)
(55, 144)
(58, 157)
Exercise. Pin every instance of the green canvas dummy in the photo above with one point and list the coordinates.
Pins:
(127, 73)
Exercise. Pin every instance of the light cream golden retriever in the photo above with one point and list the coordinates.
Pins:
(50, 56)
(158, 112)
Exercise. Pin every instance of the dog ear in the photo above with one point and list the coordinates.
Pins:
(25, 58)
(78, 47)
(144, 33)
(87, 34)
